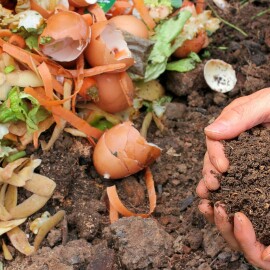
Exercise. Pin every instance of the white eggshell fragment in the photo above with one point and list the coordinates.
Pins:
(219, 75)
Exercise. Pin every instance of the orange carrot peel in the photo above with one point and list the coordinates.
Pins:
(142, 9)
(17, 40)
(200, 6)
(117, 207)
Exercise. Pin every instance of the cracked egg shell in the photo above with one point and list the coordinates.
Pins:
(131, 24)
(81, 3)
(65, 37)
(107, 46)
(115, 91)
(122, 151)
(219, 75)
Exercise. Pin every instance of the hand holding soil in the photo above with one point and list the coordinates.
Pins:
(241, 115)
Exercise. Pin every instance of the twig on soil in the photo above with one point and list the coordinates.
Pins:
(227, 23)
(260, 14)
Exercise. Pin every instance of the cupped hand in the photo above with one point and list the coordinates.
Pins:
(239, 116)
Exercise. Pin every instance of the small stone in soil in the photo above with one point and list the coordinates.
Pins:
(185, 203)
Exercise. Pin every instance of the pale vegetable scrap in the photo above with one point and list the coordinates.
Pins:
(20, 174)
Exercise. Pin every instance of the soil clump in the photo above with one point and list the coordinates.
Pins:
(245, 186)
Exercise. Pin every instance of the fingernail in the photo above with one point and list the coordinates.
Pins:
(238, 224)
(219, 164)
(217, 127)
(219, 206)
(266, 258)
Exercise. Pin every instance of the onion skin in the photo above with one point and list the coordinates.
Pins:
(122, 151)
(112, 97)
(131, 24)
(97, 53)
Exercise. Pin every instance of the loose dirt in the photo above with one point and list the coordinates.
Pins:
(245, 186)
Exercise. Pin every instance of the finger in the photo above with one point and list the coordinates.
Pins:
(216, 155)
(238, 101)
(201, 190)
(266, 125)
(210, 174)
(266, 254)
(241, 117)
(245, 235)
(244, 99)
(207, 210)
(225, 226)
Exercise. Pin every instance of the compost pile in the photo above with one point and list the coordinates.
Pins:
(245, 186)
(171, 109)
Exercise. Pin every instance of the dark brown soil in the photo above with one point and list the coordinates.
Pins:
(176, 236)
(245, 186)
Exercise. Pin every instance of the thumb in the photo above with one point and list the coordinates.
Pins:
(239, 118)
(266, 254)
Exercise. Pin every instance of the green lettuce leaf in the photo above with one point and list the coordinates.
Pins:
(184, 65)
(166, 33)
(158, 3)
(23, 107)
(176, 3)
(5, 151)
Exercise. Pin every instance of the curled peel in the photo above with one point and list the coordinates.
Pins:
(117, 207)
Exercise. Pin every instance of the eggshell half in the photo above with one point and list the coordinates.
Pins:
(219, 75)
(69, 34)
(124, 143)
(107, 46)
(115, 91)
(131, 24)
(102, 155)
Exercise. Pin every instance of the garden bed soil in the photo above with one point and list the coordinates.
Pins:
(176, 236)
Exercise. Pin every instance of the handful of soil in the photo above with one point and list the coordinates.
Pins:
(245, 187)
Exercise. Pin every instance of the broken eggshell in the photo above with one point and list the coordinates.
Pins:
(122, 151)
(65, 36)
(107, 46)
(131, 24)
(219, 75)
(115, 91)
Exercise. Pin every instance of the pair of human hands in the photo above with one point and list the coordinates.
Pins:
(240, 115)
